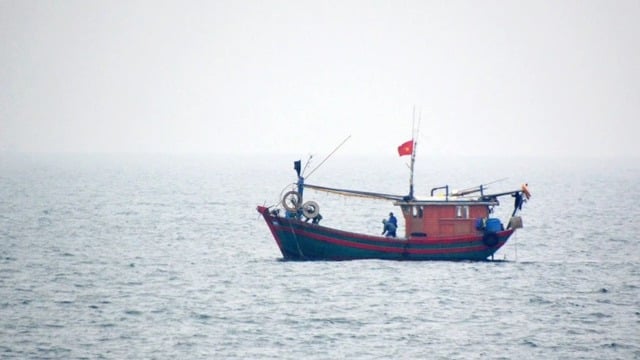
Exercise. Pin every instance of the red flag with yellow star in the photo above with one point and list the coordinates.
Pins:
(406, 148)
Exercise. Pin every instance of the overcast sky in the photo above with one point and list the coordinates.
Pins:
(532, 78)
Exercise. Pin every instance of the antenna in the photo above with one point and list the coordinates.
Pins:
(307, 164)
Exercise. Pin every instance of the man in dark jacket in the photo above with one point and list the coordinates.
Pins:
(393, 220)
(389, 228)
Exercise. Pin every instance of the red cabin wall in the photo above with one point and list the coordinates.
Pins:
(442, 220)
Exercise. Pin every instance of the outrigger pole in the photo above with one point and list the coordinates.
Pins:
(328, 156)
(301, 175)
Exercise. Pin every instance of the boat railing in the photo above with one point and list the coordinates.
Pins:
(479, 188)
(446, 187)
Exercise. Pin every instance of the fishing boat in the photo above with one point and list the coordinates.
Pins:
(445, 225)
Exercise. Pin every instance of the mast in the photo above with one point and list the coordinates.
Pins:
(413, 160)
(414, 135)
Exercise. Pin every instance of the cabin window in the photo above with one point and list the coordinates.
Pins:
(462, 212)
(416, 211)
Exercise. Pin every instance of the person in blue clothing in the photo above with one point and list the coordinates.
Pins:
(393, 220)
(389, 228)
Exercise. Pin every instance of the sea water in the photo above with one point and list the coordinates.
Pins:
(164, 256)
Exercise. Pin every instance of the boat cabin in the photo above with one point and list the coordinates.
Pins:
(432, 218)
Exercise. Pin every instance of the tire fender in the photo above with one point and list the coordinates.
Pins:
(291, 201)
(310, 209)
(490, 239)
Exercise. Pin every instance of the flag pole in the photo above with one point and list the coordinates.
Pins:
(413, 159)
(413, 152)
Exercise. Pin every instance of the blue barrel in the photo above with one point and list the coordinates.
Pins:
(493, 225)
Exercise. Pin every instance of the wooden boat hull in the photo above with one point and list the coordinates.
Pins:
(299, 240)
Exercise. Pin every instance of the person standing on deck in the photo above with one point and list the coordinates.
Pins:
(393, 220)
(389, 228)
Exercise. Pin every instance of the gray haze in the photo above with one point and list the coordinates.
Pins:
(522, 78)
